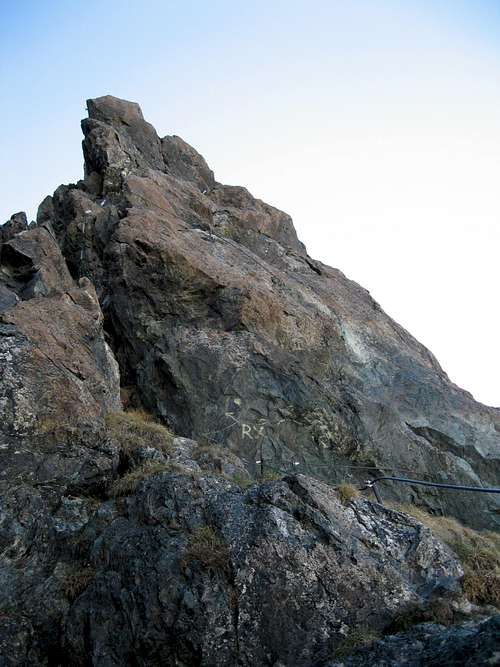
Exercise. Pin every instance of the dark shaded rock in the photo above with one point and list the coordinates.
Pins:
(296, 558)
(31, 264)
(188, 568)
(8, 298)
(429, 645)
(58, 379)
(45, 211)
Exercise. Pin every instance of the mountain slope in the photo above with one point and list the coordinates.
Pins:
(227, 330)
(150, 285)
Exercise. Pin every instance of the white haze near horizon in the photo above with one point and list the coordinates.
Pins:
(376, 126)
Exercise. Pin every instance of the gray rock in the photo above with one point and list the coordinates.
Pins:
(45, 211)
(16, 224)
(132, 552)
(295, 572)
(225, 328)
(31, 264)
(7, 298)
(430, 645)
(183, 161)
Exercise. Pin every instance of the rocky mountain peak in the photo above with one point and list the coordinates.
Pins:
(213, 308)
(184, 396)
(115, 111)
(118, 139)
(179, 158)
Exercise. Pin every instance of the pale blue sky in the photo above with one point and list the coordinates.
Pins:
(375, 124)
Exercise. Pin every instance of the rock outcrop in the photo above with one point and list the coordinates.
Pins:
(58, 379)
(123, 542)
(178, 565)
(431, 645)
(290, 573)
(56, 364)
(226, 329)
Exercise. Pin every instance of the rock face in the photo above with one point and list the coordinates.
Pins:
(291, 549)
(150, 285)
(227, 330)
(56, 364)
(58, 377)
(431, 645)
(17, 223)
(189, 569)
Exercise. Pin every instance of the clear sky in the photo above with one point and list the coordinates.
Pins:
(374, 123)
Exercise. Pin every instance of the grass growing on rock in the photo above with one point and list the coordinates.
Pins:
(210, 451)
(439, 611)
(52, 428)
(347, 493)
(123, 486)
(359, 637)
(479, 553)
(208, 548)
(137, 428)
(272, 476)
(241, 480)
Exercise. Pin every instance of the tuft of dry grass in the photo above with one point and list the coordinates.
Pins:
(211, 451)
(76, 581)
(439, 611)
(272, 476)
(123, 486)
(347, 493)
(208, 548)
(358, 638)
(137, 428)
(180, 468)
(53, 428)
(479, 553)
(241, 480)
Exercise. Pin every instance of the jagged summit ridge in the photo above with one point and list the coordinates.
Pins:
(373, 374)
(225, 328)
(118, 141)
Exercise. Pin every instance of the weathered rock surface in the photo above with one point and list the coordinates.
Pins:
(227, 330)
(56, 366)
(119, 552)
(57, 376)
(17, 223)
(431, 645)
(300, 571)
(287, 574)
